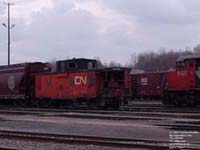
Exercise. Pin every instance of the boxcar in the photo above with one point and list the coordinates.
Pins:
(148, 85)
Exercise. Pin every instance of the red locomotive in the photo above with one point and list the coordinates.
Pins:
(182, 85)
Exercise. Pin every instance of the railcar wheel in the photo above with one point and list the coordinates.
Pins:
(118, 104)
(34, 103)
(180, 100)
(165, 101)
(101, 103)
(92, 104)
(190, 102)
(167, 98)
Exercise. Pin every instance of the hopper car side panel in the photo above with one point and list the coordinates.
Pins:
(11, 83)
(16, 80)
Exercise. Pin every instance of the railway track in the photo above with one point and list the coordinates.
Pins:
(131, 108)
(86, 140)
(163, 109)
(195, 114)
(104, 115)
(100, 114)
(126, 108)
(120, 115)
(157, 119)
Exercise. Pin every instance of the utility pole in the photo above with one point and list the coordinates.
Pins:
(9, 27)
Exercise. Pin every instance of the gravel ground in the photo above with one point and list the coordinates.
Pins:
(32, 145)
(77, 126)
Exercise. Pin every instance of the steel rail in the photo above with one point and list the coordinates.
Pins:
(132, 109)
(128, 113)
(102, 115)
(86, 140)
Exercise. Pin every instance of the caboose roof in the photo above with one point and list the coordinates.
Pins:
(182, 58)
(19, 65)
(77, 60)
(113, 69)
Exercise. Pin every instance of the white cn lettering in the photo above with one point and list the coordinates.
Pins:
(78, 80)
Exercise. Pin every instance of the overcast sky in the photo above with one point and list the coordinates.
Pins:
(109, 29)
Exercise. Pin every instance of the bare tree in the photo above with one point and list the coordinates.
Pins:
(100, 64)
(52, 64)
(160, 61)
(114, 64)
(197, 49)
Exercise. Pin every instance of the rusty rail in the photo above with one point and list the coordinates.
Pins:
(86, 140)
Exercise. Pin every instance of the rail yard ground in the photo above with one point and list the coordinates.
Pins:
(146, 126)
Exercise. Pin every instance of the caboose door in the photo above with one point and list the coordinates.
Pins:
(197, 66)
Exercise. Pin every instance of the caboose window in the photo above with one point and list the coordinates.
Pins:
(90, 65)
(119, 75)
(72, 65)
(197, 63)
(62, 67)
(191, 64)
(181, 64)
(93, 65)
(178, 65)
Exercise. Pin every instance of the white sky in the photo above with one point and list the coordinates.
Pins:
(109, 29)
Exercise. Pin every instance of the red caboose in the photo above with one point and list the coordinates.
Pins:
(69, 85)
(115, 85)
(183, 83)
(100, 87)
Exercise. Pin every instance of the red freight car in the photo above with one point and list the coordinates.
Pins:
(72, 85)
(148, 85)
(101, 87)
(16, 81)
(183, 83)
(115, 84)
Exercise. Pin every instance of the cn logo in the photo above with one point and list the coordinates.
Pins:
(80, 80)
